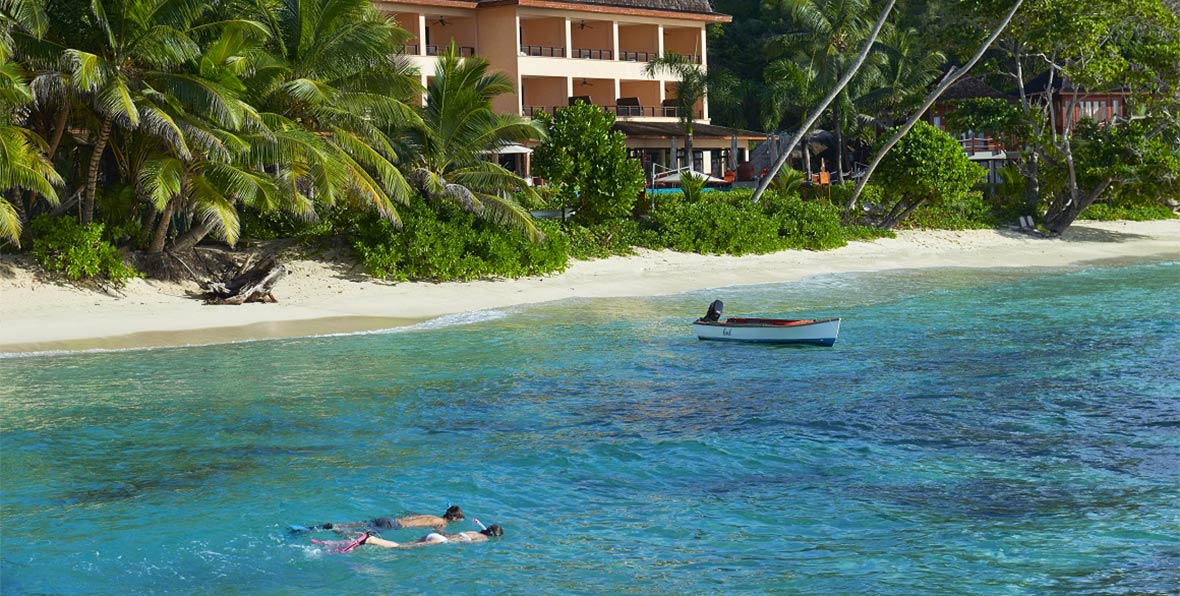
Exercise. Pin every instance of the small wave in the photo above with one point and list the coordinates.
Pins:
(453, 320)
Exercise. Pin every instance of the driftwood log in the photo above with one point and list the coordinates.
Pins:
(250, 284)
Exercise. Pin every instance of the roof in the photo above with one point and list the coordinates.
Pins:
(634, 128)
(688, 7)
(970, 88)
(1040, 84)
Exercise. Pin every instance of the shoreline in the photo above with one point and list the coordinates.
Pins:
(321, 298)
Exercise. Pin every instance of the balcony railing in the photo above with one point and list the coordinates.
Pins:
(593, 54)
(620, 111)
(545, 51)
(629, 56)
(464, 51)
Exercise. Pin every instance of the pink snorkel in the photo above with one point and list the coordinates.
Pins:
(478, 523)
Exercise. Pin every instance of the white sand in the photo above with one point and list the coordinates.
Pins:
(321, 298)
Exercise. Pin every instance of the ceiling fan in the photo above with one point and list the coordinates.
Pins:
(583, 25)
(441, 22)
(586, 83)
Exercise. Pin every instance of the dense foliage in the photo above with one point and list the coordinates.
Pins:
(588, 163)
(164, 122)
(448, 244)
(78, 251)
(928, 165)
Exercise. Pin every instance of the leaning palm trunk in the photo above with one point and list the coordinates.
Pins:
(860, 59)
(186, 241)
(161, 231)
(100, 145)
(951, 78)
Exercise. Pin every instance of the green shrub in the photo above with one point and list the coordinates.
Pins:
(803, 224)
(970, 212)
(448, 244)
(717, 228)
(928, 166)
(855, 232)
(62, 245)
(609, 238)
(1142, 212)
(587, 162)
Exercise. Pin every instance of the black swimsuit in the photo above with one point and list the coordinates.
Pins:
(385, 523)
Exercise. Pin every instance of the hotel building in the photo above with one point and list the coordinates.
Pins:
(559, 51)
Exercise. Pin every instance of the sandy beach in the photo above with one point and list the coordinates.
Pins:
(319, 297)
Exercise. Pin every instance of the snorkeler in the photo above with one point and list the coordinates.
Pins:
(493, 530)
(452, 514)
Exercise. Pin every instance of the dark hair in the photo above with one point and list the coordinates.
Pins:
(493, 530)
(453, 513)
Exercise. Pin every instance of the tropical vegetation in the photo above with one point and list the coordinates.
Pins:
(137, 129)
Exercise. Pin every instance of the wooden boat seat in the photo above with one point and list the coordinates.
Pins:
(775, 322)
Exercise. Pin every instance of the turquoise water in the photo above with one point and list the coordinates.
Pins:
(972, 432)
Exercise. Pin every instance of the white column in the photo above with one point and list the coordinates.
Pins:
(704, 66)
(569, 39)
(421, 34)
(618, 90)
(520, 95)
(615, 39)
(704, 56)
(660, 40)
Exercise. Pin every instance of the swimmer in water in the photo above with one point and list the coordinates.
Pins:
(452, 514)
(438, 538)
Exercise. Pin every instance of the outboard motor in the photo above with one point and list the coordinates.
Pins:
(714, 313)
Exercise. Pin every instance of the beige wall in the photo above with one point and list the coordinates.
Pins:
(497, 43)
(548, 32)
(409, 22)
(648, 93)
(595, 36)
(462, 30)
(601, 91)
(545, 92)
(682, 40)
(638, 38)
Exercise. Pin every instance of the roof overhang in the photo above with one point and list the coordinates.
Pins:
(613, 9)
(667, 130)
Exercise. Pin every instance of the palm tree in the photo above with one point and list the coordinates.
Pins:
(23, 164)
(838, 88)
(901, 76)
(789, 93)
(331, 89)
(828, 36)
(459, 130)
(691, 86)
(132, 76)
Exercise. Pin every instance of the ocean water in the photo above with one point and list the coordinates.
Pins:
(971, 432)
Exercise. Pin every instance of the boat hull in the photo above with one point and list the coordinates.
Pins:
(774, 331)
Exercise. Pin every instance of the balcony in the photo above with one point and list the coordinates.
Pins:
(542, 51)
(622, 110)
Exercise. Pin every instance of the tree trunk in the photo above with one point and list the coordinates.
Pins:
(161, 231)
(952, 77)
(864, 54)
(255, 285)
(100, 145)
(1065, 210)
(807, 159)
(839, 141)
(59, 129)
(194, 235)
(899, 213)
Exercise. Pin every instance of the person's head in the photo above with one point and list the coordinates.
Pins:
(492, 530)
(453, 513)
